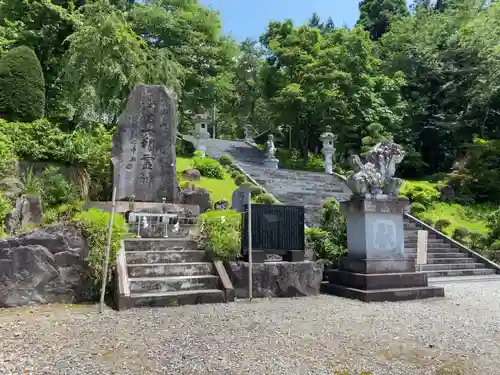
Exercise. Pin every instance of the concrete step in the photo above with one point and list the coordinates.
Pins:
(450, 266)
(450, 260)
(463, 279)
(469, 272)
(173, 283)
(169, 299)
(170, 269)
(160, 244)
(430, 242)
(380, 295)
(449, 254)
(169, 256)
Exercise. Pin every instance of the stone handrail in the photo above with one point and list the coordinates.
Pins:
(225, 281)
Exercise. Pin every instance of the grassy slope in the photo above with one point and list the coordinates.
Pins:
(219, 189)
(471, 217)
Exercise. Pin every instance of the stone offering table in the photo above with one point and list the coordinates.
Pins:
(376, 268)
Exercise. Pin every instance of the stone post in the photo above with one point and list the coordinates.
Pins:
(376, 268)
(201, 133)
(328, 149)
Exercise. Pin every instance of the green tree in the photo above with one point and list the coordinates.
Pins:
(22, 89)
(105, 60)
(375, 15)
(42, 25)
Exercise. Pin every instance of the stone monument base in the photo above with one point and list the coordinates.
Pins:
(271, 163)
(377, 280)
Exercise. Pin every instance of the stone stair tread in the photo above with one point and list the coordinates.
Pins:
(171, 278)
(460, 272)
(177, 293)
(168, 264)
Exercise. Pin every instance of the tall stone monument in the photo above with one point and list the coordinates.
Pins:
(144, 146)
(376, 268)
(328, 149)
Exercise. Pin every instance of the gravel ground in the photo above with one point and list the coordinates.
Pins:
(457, 335)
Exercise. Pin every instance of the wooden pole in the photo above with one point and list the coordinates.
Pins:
(108, 249)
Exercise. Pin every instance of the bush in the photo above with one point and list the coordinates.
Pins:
(333, 221)
(93, 224)
(442, 224)
(240, 179)
(417, 208)
(225, 160)
(235, 173)
(420, 193)
(22, 87)
(56, 189)
(209, 167)
(265, 199)
(319, 241)
(477, 239)
(184, 148)
(428, 221)
(8, 157)
(220, 234)
(460, 234)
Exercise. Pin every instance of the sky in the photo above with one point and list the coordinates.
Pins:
(249, 18)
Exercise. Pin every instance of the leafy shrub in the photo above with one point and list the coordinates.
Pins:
(333, 221)
(442, 224)
(428, 221)
(481, 172)
(235, 173)
(319, 241)
(5, 208)
(225, 160)
(8, 157)
(476, 239)
(184, 148)
(460, 234)
(220, 233)
(57, 190)
(208, 167)
(86, 149)
(493, 224)
(22, 87)
(93, 224)
(265, 199)
(417, 208)
(420, 193)
(240, 179)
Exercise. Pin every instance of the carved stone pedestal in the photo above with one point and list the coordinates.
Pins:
(375, 268)
(271, 163)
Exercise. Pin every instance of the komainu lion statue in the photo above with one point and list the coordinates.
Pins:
(376, 176)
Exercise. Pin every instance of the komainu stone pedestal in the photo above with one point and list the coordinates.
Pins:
(375, 268)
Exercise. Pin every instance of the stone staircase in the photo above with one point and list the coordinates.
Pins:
(310, 189)
(160, 272)
(301, 188)
(443, 259)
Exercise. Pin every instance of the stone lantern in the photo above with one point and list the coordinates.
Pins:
(201, 132)
(248, 133)
(328, 138)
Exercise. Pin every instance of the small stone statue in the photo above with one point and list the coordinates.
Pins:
(376, 176)
(270, 149)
